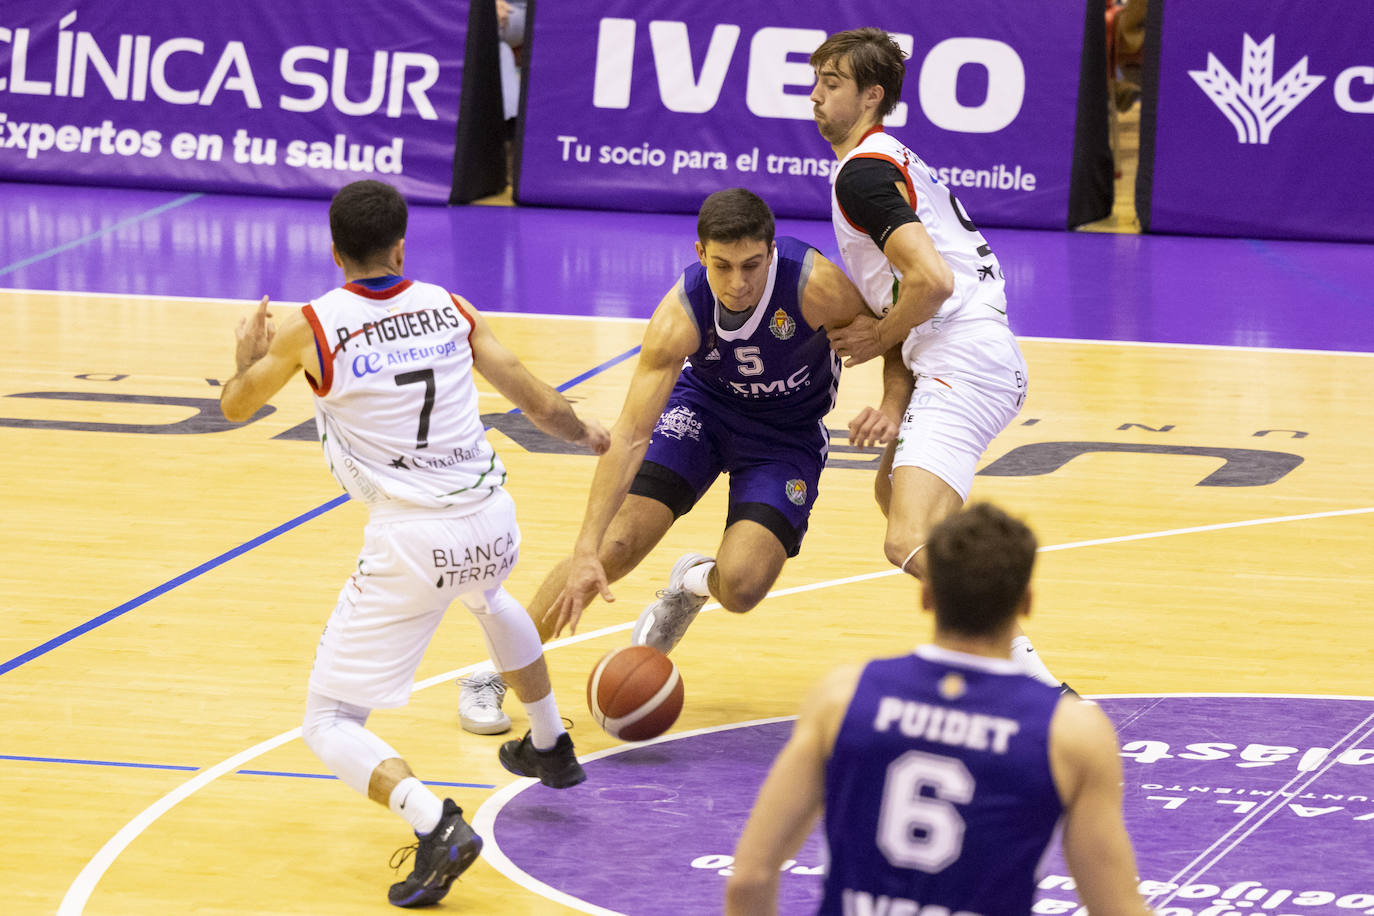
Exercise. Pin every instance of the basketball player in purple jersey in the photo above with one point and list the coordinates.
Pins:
(936, 304)
(943, 773)
(749, 323)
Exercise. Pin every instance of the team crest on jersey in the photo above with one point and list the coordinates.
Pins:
(796, 491)
(782, 325)
(679, 423)
(952, 686)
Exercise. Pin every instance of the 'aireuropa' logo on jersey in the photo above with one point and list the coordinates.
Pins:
(1255, 104)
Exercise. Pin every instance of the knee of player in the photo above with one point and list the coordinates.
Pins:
(741, 594)
(617, 557)
(900, 549)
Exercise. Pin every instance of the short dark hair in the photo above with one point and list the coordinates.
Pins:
(875, 59)
(979, 564)
(366, 218)
(732, 215)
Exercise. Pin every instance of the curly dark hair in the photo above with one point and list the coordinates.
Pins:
(874, 58)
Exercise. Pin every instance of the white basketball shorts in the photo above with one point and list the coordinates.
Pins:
(410, 569)
(969, 385)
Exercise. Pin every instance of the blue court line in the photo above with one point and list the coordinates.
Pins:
(228, 555)
(168, 766)
(615, 360)
(92, 236)
(170, 584)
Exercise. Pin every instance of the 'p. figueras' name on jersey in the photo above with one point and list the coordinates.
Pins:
(400, 326)
(942, 725)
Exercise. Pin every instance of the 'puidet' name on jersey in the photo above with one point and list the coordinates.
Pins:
(941, 725)
(401, 325)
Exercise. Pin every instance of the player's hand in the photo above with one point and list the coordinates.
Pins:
(859, 341)
(253, 336)
(595, 437)
(872, 427)
(586, 579)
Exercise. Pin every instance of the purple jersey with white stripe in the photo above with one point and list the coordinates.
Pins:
(938, 790)
(775, 368)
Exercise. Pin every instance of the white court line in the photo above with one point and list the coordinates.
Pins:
(231, 302)
(1257, 817)
(74, 902)
(484, 819)
(237, 303)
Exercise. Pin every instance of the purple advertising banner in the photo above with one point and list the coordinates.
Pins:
(263, 97)
(653, 104)
(1260, 120)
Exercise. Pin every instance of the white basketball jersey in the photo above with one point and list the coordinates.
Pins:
(396, 408)
(979, 289)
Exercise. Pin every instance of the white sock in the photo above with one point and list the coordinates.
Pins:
(1024, 654)
(694, 579)
(545, 722)
(421, 808)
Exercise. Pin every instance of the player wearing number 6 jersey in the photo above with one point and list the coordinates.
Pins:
(390, 362)
(943, 773)
(953, 374)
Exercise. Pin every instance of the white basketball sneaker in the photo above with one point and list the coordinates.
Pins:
(479, 704)
(662, 624)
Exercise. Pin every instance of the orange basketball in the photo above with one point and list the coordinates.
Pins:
(634, 693)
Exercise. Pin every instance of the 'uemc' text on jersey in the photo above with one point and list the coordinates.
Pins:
(396, 408)
(939, 795)
(775, 365)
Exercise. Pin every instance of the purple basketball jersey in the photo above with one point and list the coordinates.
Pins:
(776, 368)
(939, 790)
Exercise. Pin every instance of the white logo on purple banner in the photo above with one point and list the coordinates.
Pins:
(1255, 104)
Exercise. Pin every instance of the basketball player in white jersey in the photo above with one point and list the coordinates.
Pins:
(390, 362)
(938, 301)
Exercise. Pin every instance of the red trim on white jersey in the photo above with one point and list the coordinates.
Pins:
(387, 293)
(464, 312)
(326, 381)
(901, 167)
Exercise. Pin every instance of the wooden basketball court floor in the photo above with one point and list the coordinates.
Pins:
(1196, 455)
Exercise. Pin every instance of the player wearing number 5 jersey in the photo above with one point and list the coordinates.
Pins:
(735, 376)
(953, 374)
(943, 773)
(390, 362)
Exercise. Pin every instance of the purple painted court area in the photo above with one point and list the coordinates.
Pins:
(1236, 805)
(520, 259)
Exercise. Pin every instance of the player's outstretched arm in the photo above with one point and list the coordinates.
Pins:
(669, 339)
(791, 798)
(538, 400)
(1084, 756)
(927, 281)
(265, 360)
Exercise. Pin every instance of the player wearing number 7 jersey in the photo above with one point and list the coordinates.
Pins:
(937, 292)
(390, 362)
(943, 773)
